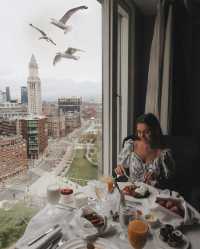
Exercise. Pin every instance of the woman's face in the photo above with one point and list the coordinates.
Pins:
(143, 132)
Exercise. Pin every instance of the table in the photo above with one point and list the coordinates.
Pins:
(63, 216)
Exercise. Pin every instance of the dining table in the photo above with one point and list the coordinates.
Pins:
(63, 215)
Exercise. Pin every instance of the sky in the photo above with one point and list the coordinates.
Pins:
(19, 41)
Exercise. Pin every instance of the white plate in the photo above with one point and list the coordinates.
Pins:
(151, 198)
(81, 244)
(164, 245)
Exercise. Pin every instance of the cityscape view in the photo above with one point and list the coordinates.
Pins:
(50, 115)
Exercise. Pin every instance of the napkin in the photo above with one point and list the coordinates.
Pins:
(85, 229)
(42, 243)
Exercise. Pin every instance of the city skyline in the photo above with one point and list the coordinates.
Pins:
(20, 41)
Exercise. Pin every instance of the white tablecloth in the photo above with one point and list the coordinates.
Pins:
(63, 217)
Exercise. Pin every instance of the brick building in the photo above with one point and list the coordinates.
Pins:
(8, 127)
(13, 156)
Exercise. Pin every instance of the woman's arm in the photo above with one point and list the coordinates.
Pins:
(167, 164)
(124, 155)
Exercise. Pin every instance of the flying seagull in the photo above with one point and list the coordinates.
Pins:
(62, 22)
(44, 35)
(69, 54)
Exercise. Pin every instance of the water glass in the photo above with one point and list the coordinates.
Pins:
(126, 214)
(53, 196)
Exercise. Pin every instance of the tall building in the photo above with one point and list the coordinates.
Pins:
(34, 89)
(34, 130)
(2, 97)
(70, 107)
(8, 98)
(70, 104)
(24, 95)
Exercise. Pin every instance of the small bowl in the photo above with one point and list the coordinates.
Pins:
(151, 219)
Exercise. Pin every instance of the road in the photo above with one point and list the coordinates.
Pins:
(46, 170)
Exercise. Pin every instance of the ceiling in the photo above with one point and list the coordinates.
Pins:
(148, 7)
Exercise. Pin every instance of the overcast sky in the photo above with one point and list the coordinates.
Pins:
(19, 41)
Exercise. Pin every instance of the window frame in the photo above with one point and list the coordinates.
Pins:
(109, 72)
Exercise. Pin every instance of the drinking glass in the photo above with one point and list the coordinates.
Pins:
(137, 233)
(53, 196)
(126, 214)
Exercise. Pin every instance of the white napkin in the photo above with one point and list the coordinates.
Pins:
(84, 228)
(41, 243)
(81, 226)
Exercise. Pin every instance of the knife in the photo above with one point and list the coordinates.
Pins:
(42, 235)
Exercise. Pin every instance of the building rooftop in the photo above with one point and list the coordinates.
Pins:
(34, 117)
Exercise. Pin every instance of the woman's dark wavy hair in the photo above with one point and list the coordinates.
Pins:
(156, 137)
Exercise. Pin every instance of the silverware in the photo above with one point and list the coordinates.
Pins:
(54, 243)
(42, 235)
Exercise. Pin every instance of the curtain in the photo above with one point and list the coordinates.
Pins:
(166, 94)
(155, 64)
(158, 94)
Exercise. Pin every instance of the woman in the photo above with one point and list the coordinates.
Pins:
(145, 156)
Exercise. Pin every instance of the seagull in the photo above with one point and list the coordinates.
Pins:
(61, 23)
(44, 35)
(69, 54)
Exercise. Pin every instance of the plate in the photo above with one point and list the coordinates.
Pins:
(81, 244)
(164, 245)
(151, 197)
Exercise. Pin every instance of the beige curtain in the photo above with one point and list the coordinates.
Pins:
(158, 95)
(155, 64)
(166, 94)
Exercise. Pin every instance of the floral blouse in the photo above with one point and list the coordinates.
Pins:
(163, 166)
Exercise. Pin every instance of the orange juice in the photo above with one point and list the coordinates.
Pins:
(137, 233)
(109, 181)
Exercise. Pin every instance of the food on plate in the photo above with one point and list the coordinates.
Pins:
(141, 191)
(151, 219)
(172, 205)
(96, 219)
(171, 236)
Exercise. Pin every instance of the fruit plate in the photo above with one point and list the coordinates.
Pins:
(82, 244)
(150, 198)
(165, 215)
(165, 245)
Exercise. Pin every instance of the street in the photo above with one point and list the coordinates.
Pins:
(47, 170)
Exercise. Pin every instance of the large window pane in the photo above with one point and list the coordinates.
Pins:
(50, 105)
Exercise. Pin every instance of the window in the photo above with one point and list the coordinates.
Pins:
(118, 77)
(122, 79)
(75, 124)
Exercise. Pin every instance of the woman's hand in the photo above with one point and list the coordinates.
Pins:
(119, 170)
(149, 177)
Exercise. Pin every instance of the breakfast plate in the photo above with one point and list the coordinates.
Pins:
(150, 197)
(82, 244)
(184, 245)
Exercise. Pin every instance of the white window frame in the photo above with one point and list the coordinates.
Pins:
(123, 75)
(109, 70)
